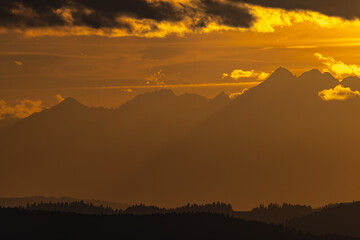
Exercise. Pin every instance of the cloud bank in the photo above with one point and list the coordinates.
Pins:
(159, 18)
(239, 73)
(338, 68)
(347, 9)
(120, 17)
(339, 93)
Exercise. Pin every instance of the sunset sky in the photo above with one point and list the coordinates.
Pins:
(288, 134)
(106, 52)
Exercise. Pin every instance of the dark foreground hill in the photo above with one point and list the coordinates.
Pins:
(343, 218)
(273, 213)
(22, 224)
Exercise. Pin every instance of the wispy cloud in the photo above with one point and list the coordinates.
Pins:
(235, 95)
(339, 93)
(18, 63)
(301, 47)
(339, 68)
(59, 98)
(24, 109)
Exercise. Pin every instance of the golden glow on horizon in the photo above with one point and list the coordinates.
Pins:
(170, 86)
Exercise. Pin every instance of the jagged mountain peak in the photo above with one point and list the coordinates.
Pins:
(70, 101)
(221, 96)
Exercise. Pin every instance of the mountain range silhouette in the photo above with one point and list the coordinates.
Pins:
(277, 142)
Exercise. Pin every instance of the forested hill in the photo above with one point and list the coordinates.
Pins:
(273, 213)
(342, 218)
(24, 224)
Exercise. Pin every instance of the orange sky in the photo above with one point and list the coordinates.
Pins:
(104, 53)
(107, 66)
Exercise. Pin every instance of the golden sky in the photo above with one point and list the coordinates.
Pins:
(105, 52)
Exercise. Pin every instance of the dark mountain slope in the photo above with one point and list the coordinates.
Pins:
(352, 82)
(75, 150)
(277, 142)
(7, 123)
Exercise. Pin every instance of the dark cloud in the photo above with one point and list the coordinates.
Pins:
(92, 13)
(106, 13)
(37, 13)
(348, 9)
(135, 8)
(229, 14)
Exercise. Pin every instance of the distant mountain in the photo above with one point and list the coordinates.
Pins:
(277, 142)
(341, 219)
(71, 149)
(352, 82)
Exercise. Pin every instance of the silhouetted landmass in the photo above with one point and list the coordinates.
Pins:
(277, 142)
(334, 219)
(142, 209)
(275, 213)
(23, 224)
(351, 82)
(7, 123)
(82, 207)
(219, 208)
(25, 201)
(74, 207)
(343, 218)
(95, 147)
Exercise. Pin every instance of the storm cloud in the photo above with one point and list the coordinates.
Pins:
(108, 13)
(142, 17)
